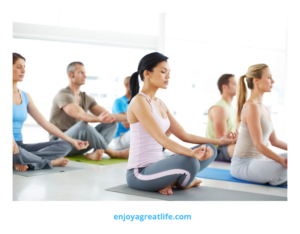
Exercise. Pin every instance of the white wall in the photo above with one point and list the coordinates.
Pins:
(203, 46)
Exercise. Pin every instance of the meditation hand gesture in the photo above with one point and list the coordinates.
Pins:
(80, 145)
(106, 117)
(202, 152)
(229, 138)
(15, 148)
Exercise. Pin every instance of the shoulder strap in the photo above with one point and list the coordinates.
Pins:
(148, 99)
(162, 105)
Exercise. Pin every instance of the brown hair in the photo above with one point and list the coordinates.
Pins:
(254, 71)
(224, 79)
(17, 56)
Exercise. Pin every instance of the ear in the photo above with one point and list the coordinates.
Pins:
(146, 74)
(224, 86)
(70, 75)
(127, 85)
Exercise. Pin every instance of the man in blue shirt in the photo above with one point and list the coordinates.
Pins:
(122, 138)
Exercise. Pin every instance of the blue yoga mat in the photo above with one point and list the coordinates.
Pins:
(221, 174)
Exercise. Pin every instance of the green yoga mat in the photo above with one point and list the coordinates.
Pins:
(103, 161)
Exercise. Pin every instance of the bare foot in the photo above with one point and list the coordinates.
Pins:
(195, 183)
(96, 155)
(59, 162)
(166, 191)
(20, 167)
(118, 154)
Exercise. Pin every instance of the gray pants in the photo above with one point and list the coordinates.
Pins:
(223, 155)
(123, 141)
(98, 137)
(39, 156)
(261, 171)
(166, 171)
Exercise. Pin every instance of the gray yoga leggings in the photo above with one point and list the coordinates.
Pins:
(166, 171)
(39, 156)
(98, 137)
(261, 171)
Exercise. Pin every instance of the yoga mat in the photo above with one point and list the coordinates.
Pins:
(53, 170)
(201, 193)
(103, 161)
(221, 174)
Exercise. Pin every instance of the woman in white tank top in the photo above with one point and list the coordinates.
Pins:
(149, 120)
(255, 131)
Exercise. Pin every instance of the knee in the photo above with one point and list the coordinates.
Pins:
(190, 164)
(113, 125)
(66, 146)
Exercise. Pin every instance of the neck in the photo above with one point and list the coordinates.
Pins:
(256, 96)
(15, 87)
(128, 94)
(150, 91)
(74, 88)
(228, 98)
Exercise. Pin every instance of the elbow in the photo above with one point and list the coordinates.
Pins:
(258, 146)
(79, 117)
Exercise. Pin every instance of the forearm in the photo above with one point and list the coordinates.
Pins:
(175, 147)
(52, 129)
(88, 118)
(190, 138)
(120, 117)
(280, 144)
(260, 147)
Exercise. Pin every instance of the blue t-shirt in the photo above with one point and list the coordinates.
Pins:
(120, 105)
(19, 116)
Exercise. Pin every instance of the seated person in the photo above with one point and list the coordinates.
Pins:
(43, 155)
(256, 129)
(69, 114)
(122, 138)
(150, 120)
(222, 117)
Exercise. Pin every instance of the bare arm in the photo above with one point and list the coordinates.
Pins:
(77, 112)
(276, 142)
(15, 146)
(253, 116)
(98, 110)
(139, 110)
(49, 127)
(177, 130)
(218, 116)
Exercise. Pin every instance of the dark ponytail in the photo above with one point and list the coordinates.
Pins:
(148, 62)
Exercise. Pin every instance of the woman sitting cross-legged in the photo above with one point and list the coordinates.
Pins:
(256, 129)
(41, 155)
(149, 120)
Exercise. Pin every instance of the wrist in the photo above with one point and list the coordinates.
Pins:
(70, 140)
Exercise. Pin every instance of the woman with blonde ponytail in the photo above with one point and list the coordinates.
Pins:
(255, 131)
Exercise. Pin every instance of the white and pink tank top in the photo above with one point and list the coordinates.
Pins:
(144, 149)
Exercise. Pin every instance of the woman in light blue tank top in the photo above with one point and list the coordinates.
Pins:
(41, 155)
(256, 129)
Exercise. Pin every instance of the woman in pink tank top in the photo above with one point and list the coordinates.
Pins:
(149, 120)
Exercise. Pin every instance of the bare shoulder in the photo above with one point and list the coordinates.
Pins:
(251, 109)
(28, 97)
(217, 110)
(138, 102)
